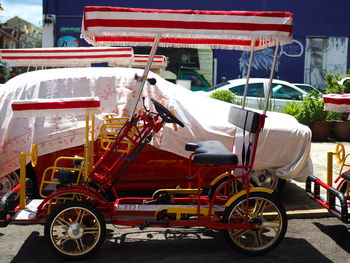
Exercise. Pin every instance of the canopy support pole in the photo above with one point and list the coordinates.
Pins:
(252, 48)
(146, 71)
(267, 98)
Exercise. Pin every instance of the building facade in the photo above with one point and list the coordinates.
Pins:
(28, 34)
(320, 45)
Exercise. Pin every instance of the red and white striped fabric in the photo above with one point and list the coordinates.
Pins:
(108, 26)
(39, 107)
(337, 102)
(60, 57)
(140, 61)
(159, 61)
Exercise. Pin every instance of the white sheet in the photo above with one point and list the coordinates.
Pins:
(284, 143)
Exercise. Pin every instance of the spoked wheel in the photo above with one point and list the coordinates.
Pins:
(75, 230)
(8, 182)
(227, 190)
(267, 213)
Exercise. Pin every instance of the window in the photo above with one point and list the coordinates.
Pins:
(280, 91)
(218, 86)
(254, 90)
(195, 81)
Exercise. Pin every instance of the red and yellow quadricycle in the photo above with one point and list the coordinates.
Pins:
(77, 194)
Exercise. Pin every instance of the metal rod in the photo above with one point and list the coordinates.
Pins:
(267, 98)
(86, 147)
(252, 47)
(145, 72)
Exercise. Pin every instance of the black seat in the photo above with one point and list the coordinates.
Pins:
(214, 152)
(211, 152)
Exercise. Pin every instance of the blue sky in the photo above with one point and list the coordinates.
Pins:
(29, 10)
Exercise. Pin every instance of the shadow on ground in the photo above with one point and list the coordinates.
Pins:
(189, 245)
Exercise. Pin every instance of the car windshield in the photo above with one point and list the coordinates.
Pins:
(280, 91)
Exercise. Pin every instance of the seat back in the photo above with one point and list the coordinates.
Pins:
(248, 124)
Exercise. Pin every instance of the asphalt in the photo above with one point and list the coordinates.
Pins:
(294, 198)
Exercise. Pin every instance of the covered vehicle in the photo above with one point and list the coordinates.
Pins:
(116, 87)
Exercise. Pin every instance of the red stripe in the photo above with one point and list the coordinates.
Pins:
(67, 57)
(337, 100)
(228, 42)
(56, 105)
(188, 11)
(186, 25)
(65, 50)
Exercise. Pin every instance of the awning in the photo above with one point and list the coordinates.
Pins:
(63, 57)
(120, 26)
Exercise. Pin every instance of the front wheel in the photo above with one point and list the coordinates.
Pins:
(75, 230)
(264, 210)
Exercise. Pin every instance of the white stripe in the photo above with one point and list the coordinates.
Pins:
(188, 17)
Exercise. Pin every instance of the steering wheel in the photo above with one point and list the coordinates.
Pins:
(340, 153)
(165, 114)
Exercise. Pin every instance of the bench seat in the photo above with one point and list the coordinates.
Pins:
(211, 152)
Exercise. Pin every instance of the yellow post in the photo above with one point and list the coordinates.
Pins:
(329, 171)
(22, 180)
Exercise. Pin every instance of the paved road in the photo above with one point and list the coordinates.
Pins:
(307, 240)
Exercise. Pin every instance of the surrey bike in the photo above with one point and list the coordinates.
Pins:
(78, 197)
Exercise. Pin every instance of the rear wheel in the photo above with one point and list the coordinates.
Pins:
(8, 182)
(264, 210)
(75, 230)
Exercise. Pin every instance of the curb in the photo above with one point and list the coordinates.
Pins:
(312, 213)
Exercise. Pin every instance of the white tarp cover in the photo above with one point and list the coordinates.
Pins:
(284, 144)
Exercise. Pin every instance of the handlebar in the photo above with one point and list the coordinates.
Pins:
(165, 114)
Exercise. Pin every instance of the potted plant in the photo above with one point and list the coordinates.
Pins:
(311, 112)
(341, 127)
(227, 96)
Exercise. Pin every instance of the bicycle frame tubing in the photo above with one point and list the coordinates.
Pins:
(108, 176)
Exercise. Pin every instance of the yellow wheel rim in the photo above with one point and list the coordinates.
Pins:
(75, 231)
(260, 210)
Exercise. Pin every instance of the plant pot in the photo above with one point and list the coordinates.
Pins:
(321, 130)
(341, 130)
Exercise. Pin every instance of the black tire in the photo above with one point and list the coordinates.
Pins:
(264, 209)
(75, 230)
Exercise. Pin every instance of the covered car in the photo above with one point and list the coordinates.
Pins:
(283, 150)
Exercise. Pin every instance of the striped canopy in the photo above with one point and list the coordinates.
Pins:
(159, 61)
(37, 107)
(73, 56)
(119, 26)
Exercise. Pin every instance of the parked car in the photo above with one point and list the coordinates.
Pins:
(163, 163)
(307, 87)
(282, 92)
